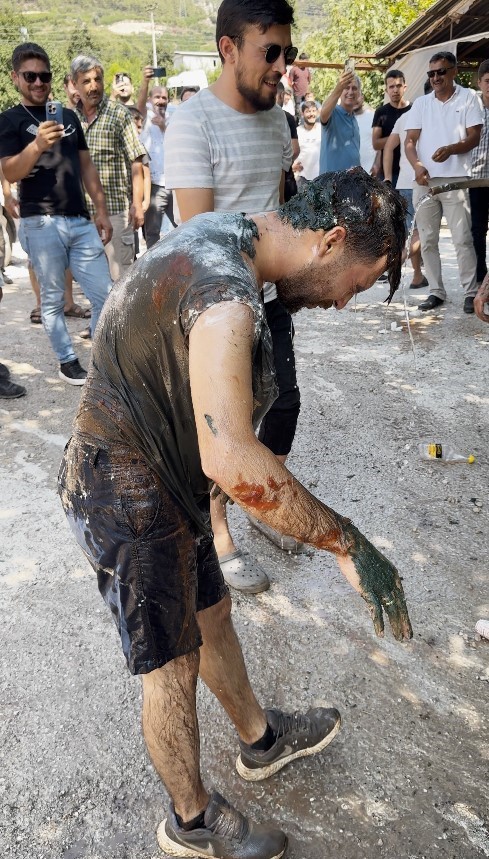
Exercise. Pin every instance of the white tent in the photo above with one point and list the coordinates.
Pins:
(197, 77)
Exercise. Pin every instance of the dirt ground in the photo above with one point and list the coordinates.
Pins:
(407, 777)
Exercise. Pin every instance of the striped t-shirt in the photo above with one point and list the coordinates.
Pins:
(239, 155)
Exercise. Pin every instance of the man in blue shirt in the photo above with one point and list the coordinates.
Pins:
(340, 134)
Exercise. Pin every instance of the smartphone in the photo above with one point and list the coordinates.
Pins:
(54, 112)
(159, 72)
(350, 65)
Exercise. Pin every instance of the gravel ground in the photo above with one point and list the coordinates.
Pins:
(407, 775)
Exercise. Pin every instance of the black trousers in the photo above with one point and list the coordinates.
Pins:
(277, 429)
(479, 208)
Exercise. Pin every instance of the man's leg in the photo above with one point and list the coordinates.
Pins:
(120, 249)
(45, 240)
(456, 208)
(161, 202)
(479, 209)
(428, 220)
(89, 265)
(171, 732)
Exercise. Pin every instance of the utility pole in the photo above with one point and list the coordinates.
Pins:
(153, 37)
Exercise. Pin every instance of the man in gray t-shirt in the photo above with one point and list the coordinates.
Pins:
(227, 150)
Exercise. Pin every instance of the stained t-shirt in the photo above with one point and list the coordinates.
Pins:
(385, 118)
(54, 185)
(138, 388)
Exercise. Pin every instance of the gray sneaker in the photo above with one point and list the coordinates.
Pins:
(297, 737)
(227, 835)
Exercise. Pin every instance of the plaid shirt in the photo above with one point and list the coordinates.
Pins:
(113, 143)
(480, 154)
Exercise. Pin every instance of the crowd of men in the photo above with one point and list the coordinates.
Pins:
(193, 351)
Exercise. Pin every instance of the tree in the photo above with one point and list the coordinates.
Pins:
(356, 26)
(82, 42)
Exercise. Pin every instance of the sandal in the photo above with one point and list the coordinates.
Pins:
(243, 573)
(78, 312)
(35, 316)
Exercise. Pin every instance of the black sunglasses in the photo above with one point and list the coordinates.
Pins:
(31, 77)
(440, 72)
(273, 52)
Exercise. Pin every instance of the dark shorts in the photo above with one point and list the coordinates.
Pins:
(154, 570)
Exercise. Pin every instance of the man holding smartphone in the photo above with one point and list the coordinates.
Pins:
(51, 162)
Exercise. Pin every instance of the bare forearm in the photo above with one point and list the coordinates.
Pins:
(143, 98)
(329, 105)
(264, 487)
(17, 167)
(137, 183)
(411, 153)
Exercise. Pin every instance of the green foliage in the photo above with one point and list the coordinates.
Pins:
(82, 41)
(355, 26)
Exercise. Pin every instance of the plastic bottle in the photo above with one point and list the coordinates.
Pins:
(482, 627)
(442, 452)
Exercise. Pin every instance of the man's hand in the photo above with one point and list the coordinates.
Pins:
(104, 226)
(297, 167)
(481, 299)
(378, 582)
(136, 216)
(345, 79)
(159, 120)
(12, 206)
(421, 174)
(48, 134)
(442, 154)
(148, 73)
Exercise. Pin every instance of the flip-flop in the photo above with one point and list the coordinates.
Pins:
(287, 544)
(243, 573)
(78, 312)
(35, 316)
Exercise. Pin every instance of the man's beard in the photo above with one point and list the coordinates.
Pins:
(309, 287)
(256, 100)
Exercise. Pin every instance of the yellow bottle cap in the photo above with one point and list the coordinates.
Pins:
(471, 459)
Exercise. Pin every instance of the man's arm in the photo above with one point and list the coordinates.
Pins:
(11, 204)
(143, 91)
(136, 213)
(420, 172)
(378, 142)
(391, 142)
(17, 167)
(481, 299)
(194, 201)
(91, 181)
(220, 360)
(470, 142)
(331, 101)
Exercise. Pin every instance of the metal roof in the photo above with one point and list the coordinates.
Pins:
(445, 21)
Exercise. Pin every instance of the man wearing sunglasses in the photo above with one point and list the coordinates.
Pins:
(53, 166)
(228, 150)
(442, 129)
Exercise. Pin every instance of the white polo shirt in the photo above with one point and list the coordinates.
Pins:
(442, 123)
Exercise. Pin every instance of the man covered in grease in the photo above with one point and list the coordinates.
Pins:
(181, 372)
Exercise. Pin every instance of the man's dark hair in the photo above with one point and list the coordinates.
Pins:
(394, 73)
(444, 55)
(135, 113)
(307, 103)
(303, 56)
(234, 16)
(28, 51)
(372, 213)
(483, 69)
(185, 89)
(427, 87)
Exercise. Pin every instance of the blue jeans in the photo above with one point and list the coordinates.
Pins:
(54, 243)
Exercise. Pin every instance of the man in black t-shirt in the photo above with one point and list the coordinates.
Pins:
(52, 165)
(386, 116)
